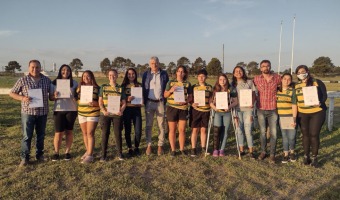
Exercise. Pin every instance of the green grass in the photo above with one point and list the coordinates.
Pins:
(162, 177)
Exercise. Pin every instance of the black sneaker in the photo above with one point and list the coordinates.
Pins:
(55, 157)
(41, 158)
(131, 153)
(183, 153)
(251, 156)
(306, 160)
(285, 159)
(242, 153)
(173, 153)
(193, 152)
(120, 156)
(136, 151)
(67, 156)
(262, 156)
(314, 162)
(292, 157)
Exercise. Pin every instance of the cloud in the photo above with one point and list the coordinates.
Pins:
(7, 33)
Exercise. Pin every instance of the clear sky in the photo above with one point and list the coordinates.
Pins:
(58, 31)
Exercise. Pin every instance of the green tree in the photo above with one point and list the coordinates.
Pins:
(162, 66)
(76, 65)
(119, 63)
(171, 68)
(242, 64)
(198, 65)
(12, 66)
(322, 65)
(183, 61)
(105, 65)
(141, 69)
(214, 67)
(253, 68)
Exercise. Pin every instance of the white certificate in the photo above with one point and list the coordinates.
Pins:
(137, 92)
(36, 100)
(222, 100)
(179, 94)
(199, 97)
(86, 93)
(310, 96)
(246, 97)
(286, 123)
(63, 88)
(113, 104)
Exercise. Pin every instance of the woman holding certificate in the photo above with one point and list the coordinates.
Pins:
(311, 97)
(63, 93)
(132, 113)
(88, 112)
(178, 93)
(287, 110)
(224, 99)
(112, 104)
(245, 108)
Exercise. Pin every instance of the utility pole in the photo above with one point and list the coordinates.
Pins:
(291, 63)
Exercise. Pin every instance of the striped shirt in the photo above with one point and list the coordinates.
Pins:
(187, 90)
(86, 110)
(208, 93)
(27, 82)
(302, 108)
(267, 91)
(108, 90)
(127, 90)
(284, 101)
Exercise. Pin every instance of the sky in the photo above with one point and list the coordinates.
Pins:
(59, 31)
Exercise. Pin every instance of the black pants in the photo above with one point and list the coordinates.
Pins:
(105, 125)
(134, 115)
(310, 125)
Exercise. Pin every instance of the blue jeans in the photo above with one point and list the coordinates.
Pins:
(272, 117)
(29, 123)
(288, 139)
(223, 119)
(244, 128)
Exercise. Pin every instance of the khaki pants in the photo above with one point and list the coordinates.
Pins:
(152, 108)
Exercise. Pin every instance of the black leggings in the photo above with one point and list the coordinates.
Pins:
(105, 125)
(310, 125)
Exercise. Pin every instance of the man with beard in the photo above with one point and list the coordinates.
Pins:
(267, 84)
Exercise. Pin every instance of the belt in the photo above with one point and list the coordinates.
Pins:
(153, 100)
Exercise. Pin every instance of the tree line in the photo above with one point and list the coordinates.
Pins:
(321, 66)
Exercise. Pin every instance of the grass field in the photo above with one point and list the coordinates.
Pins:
(162, 177)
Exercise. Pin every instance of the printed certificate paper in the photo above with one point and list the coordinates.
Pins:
(246, 97)
(86, 93)
(63, 88)
(113, 104)
(310, 96)
(199, 97)
(286, 122)
(36, 98)
(222, 100)
(179, 94)
(138, 94)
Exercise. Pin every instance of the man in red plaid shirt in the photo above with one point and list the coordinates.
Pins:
(267, 84)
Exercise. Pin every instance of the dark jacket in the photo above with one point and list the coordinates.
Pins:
(147, 76)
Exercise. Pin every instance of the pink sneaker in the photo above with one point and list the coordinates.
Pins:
(222, 153)
(215, 153)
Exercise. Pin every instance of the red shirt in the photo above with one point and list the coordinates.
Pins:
(267, 91)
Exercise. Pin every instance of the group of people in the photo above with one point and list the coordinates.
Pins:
(273, 98)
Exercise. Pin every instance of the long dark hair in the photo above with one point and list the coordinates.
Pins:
(93, 80)
(279, 88)
(126, 80)
(244, 77)
(54, 82)
(217, 87)
(185, 72)
(309, 81)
